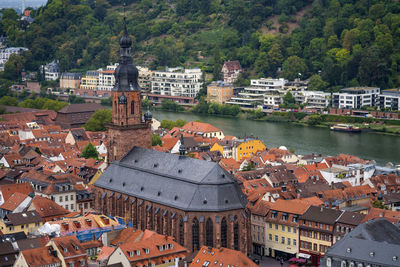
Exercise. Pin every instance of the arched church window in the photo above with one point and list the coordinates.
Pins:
(209, 233)
(181, 232)
(224, 233)
(195, 235)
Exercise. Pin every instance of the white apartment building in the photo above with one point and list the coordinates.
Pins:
(355, 174)
(7, 52)
(177, 82)
(390, 99)
(356, 97)
(313, 99)
(262, 92)
(106, 78)
(51, 71)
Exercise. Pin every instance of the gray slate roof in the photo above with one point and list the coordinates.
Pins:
(181, 182)
(378, 236)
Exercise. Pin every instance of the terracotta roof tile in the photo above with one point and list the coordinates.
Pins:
(8, 190)
(200, 127)
(13, 201)
(47, 208)
(224, 256)
(40, 257)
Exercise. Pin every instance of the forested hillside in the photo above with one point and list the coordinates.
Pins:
(336, 43)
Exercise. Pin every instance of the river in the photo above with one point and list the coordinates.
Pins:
(303, 139)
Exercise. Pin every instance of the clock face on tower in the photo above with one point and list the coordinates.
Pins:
(122, 100)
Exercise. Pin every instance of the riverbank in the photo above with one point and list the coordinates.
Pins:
(377, 126)
(300, 137)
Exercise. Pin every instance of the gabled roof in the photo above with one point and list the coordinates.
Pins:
(376, 242)
(23, 218)
(321, 214)
(14, 201)
(41, 256)
(200, 127)
(76, 108)
(151, 241)
(295, 206)
(8, 190)
(224, 256)
(48, 208)
(155, 176)
(232, 65)
(69, 246)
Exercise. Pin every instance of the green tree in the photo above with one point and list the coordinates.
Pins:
(379, 204)
(294, 67)
(13, 67)
(98, 120)
(90, 152)
(9, 101)
(155, 140)
(288, 98)
(316, 83)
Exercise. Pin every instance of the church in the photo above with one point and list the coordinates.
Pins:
(197, 202)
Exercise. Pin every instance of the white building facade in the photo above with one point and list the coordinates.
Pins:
(356, 97)
(7, 52)
(177, 82)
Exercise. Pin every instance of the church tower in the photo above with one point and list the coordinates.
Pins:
(128, 128)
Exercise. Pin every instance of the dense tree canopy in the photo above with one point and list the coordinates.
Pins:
(345, 42)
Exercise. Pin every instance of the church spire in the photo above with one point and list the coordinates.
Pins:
(126, 74)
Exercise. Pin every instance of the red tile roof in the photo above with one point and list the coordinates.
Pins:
(200, 127)
(8, 190)
(42, 256)
(132, 241)
(224, 256)
(13, 201)
(47, 208)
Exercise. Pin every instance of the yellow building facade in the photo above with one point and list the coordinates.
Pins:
(27, 222)
(247, 148)
(219, 92)
(90, 81)
(282, 234)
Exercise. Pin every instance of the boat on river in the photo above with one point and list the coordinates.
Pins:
(348, 128)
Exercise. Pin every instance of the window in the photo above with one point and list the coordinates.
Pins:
(72, 197)
(288, 241)
(236, 235)
(315, 247)
(283, 240)
(82, 262)
(270, 236)
(294, 230)
(66, 206)
(294, 242)
(71, 264)
(276, 238)
(327, 227)
(328, 262)
(224, 233)
(195, 234)
(66, 198)
(181, 232)
(283, 228)
(276, 227)
(133, 107)
(60, 199)
(72, 206)
(289, 229)
(209, 233)
(270, 225)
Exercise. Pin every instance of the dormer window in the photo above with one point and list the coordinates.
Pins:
(146, 250)
(138, 252)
